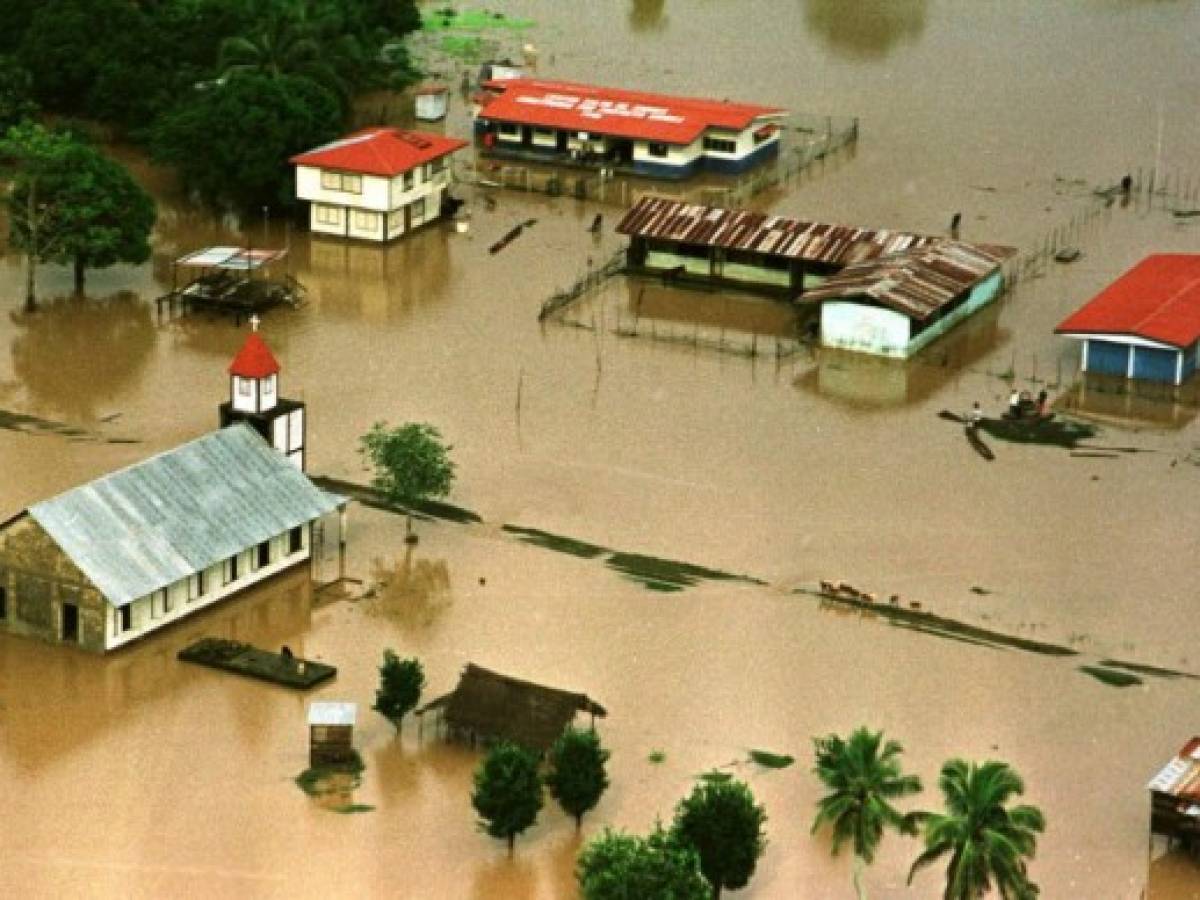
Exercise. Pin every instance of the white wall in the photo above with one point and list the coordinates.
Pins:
(676, 155)
(374, 190)
(149, 613)
(245, 402)
(870, 329)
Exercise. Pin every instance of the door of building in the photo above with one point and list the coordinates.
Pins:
(70, 623)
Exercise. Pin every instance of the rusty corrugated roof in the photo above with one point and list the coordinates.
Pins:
(1181, 776)
(915, 282)
(912, 273)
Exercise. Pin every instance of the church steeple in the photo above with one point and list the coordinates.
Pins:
(254, 398)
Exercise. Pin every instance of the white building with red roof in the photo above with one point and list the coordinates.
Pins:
(631, 131)
(1146, 324)
(375, 184)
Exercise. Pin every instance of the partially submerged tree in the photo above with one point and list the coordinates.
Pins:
(863, 778)
(400, 684)
(71, 204)
(576, 778)
(411, 464)
(616, 866)
(721, 821)
(987, 840)
(508, 791)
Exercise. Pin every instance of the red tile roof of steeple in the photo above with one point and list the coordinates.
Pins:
(255, 359)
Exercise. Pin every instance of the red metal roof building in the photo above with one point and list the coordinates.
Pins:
(375, 184)
(636, 131)
(1146, 324)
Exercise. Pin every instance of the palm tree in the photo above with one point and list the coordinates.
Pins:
(862, 778)
(988, 842)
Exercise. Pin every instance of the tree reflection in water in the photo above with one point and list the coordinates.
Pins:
(647, 15)
(865, 30)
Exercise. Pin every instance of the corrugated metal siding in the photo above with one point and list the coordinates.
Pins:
(161, 520)
(1107, 358)
(1154, 364)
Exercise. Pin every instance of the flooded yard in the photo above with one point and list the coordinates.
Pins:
(621, 463)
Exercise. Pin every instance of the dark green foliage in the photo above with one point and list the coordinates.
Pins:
(91, 213)
(396, 17)
(411, 462)
(576, 778)
(400, 684)
(16, 93)
(508, 791)
(231, 144)
(863, 776)
(724, 825)
(769, 760)
(616, 866)
(987, 840)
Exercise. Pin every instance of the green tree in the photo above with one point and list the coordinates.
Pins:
(508, 791)
(34, 155)
(400, 684)
(987, 840)
(411, 464)
(616, 866)
(100, 215)
(16, 93)
(725, 826)
(232, 142)
(576, 778)
(863, 776)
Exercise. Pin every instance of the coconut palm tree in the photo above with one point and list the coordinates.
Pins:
(988, 841)
(863, 775)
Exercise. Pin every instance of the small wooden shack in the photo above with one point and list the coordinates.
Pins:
(1175, 798)
(331, 732)
(431, 102)
(487, 706)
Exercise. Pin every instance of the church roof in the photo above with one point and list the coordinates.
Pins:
(255, 359)
(144, 527)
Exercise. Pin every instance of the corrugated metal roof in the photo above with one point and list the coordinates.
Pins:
(147, 526)
(1158, 299)
(612, 111)
(1181, 776)
(332, 712)
(915, 282)
(740, 229)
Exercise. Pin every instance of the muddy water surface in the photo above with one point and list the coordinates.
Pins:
(139, 776)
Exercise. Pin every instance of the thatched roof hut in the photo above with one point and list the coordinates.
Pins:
(489, 706)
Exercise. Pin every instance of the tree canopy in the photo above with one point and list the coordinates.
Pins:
(863, 775)
(576, 778)
(411, 463)
(508, 791)
(987, 840)
(231, 144)
(617, 866)
(400, 684)
(16, 93)
(721, 821)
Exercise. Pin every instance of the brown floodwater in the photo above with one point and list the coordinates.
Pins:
(138, 776)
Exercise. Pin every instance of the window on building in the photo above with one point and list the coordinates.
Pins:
(366, 221)
(543, 133)
(328, 215)
(418, 210)
(720, 145)
(296, 539)
(231, 569)
(338, 181)
(508, 129)
(3, 600)
(409, 180)
(658, 150)
(438, 165)
(125, 619)
(264, 554)
(196, 586)
(166, 600)
(245, 387)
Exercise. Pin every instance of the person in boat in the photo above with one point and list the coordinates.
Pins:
(1014, 404)
(1043, 404)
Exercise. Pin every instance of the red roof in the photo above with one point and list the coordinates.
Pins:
(600, 110)
(379, 151)
(255, 359)
(1158, 299)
